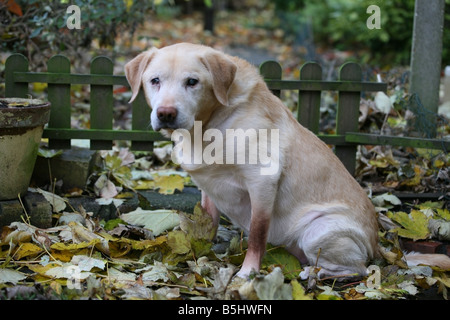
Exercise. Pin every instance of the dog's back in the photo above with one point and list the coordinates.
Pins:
(319, 212)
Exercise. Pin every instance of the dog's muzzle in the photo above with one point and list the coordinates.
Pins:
(167, 117)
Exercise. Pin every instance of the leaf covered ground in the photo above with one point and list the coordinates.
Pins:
(166, 254)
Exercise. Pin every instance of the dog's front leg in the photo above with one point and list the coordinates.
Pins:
(257, 238)
(210, 207)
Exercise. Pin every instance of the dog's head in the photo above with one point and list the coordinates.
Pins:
(182, 83)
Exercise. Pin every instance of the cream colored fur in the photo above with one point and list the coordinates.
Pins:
(312, 205)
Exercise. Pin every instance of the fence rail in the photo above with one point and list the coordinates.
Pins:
(101, 79)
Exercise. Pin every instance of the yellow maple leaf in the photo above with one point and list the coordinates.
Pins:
(414, 225)
(168, 184)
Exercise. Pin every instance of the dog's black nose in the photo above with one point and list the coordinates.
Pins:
(166, 114)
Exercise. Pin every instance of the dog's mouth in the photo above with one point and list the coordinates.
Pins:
(165, 126)
(170, 127)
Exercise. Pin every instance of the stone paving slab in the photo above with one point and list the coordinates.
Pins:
(35, 207)
(40, 211)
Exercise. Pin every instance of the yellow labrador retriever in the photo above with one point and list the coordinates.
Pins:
(253, 161)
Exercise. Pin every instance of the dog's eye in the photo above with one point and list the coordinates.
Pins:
(154, 81)
(191, 82)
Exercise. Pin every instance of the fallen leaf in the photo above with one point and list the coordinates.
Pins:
(156, 272)
(124, 177)
(58, 203)
(168, 293)
(272, 286)
(386, 200)
(11, 276)
(430, 205)
(415, 225)
(113, 162)
(107, 201)
(67, 271)
(414, 181)
(104, 188)
(179, 242)
(279, 256)
(371, 293)
(168, 184)
(157, 221)
(409, 287)
(115, 275)
(84, 235)
(73, 246)
(298, 292)
(199, 224)
(383, 102)
(442, 278)
(144, 185)
(444, 214)
(126, 156)
(440, 229)
(328, 294)
(27, 249)
(87, 263)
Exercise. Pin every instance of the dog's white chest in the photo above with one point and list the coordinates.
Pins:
(228, 194)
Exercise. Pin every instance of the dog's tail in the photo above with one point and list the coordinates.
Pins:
(410, 259)
(441, 261)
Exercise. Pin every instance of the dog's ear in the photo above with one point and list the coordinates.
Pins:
(135, 68)
(223, 71)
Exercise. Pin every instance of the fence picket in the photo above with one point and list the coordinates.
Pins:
(348, 113)
(59, 96)
(309, 101)
(141, 121)
(101, 98)
(271, 70)
(15, 62)
(102, 80)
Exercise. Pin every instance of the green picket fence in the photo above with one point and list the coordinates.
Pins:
(102, 80)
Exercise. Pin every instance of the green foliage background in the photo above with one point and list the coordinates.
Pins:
(42, 26)
(337, 24)
(342, 25)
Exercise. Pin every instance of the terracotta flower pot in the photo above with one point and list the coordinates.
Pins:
(21, 125)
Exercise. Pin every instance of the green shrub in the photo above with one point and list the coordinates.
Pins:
(42, 27)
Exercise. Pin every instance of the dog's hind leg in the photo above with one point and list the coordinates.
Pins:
(335, 242)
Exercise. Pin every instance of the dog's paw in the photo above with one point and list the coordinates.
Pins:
(243, 274)
(246, 273)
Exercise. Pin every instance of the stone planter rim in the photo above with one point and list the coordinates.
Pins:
(24, 116)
